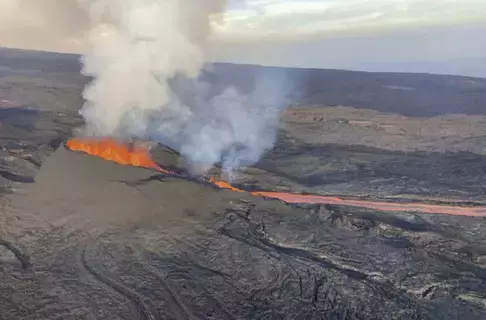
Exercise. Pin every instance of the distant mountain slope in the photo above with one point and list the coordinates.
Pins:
(38, 60)
(410, 94)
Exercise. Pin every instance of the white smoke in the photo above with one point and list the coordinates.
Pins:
(137, 46)
(146, 59)
(230, 127)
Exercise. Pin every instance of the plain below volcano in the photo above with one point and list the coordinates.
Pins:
(106, 241)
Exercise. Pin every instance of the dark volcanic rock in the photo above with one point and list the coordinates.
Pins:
(83, 238)
(417, 95)
(372, 172)
(99, 246)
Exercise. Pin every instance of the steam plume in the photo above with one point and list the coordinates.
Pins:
(229, 127)
(137, 46)
(146, 61)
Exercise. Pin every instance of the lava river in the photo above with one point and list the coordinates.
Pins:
(125, 154)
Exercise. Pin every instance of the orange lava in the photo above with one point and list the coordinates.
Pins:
(383, 206)
(224, 185)
(112, 150)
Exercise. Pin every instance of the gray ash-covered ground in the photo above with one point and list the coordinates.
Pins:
(84, 238)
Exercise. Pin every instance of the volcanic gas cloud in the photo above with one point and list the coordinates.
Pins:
(146, 59)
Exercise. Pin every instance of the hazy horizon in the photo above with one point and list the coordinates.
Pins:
(381, 35)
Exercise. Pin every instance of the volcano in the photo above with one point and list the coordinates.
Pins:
(126, 154)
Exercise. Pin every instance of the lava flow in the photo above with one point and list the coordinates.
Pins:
(112, 150)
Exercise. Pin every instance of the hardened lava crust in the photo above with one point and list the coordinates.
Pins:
(95, 239)
(85, 238)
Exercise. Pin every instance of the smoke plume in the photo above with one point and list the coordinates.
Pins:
(150, 79)
(146, 62)
(223, 125)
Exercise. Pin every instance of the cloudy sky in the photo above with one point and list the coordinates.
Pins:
(438, 36)
(297, 18)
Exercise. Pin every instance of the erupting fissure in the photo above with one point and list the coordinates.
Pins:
(131, 154)
(112, 150)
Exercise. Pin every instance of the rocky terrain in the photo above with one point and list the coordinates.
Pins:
(84, 238)
(347, 151)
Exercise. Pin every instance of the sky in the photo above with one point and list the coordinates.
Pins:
(251, 19)
(436, 36)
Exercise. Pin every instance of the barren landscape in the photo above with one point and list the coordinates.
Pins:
(86, 238)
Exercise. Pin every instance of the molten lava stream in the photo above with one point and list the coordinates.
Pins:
(382, 206)
(224, 185)
(376, 205)
(112, 150)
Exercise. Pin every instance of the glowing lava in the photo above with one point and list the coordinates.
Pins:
(382, 206)
(224, 185)
(112, 150)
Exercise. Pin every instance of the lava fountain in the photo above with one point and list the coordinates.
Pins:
(130, 154)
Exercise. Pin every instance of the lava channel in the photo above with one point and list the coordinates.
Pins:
(129, 154)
